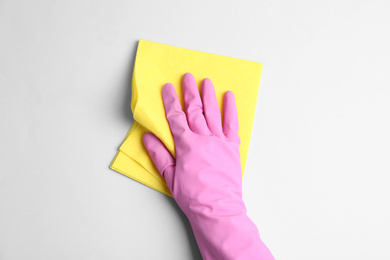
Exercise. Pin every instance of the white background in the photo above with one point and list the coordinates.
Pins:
(317, 180)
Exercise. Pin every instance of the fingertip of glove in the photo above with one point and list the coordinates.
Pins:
(207, 86)
(206, 81)
(229, 92)
(229, 96)
(188, 75)
(168, 90)
(167, 86)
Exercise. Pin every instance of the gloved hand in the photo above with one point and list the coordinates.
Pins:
(205, 178)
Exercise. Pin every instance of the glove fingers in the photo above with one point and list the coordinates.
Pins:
(164, 161)
(211, 108)
(230, 118)
(176, 117)
(194, 106)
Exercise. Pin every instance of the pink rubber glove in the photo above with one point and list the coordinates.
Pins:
(205, 179)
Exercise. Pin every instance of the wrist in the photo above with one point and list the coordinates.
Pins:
(213, 207)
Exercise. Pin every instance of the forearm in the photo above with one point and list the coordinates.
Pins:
(228, 236)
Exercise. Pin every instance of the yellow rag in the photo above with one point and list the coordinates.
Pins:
(157, 64)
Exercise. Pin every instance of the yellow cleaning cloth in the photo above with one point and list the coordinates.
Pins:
(157, 64)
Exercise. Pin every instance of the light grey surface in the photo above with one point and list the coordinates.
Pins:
(317, 178)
